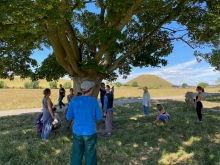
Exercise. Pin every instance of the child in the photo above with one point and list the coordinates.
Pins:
(146, 101)
(162, 114)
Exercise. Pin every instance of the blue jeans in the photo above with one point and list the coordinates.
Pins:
(146, 110)
(60, 101)
(163, 117)
(47, 128)
(84, 144)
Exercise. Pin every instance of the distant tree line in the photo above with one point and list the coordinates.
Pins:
(35, 85)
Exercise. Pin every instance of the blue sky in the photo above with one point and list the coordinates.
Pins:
(182, 67)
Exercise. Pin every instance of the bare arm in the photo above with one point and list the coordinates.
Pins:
(199, 97)
(158, 116)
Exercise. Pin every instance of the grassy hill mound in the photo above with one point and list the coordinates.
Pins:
(19, 83)
(151, 81)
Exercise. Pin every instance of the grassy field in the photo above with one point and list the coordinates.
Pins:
(31, 98)
(135, 140)
(19, 83)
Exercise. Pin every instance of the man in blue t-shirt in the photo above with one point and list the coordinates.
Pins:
(84, 110)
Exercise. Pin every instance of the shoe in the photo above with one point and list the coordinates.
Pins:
(107, 135)
(45, 140)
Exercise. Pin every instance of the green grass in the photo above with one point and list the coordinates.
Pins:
(214, 98)
(135, 140)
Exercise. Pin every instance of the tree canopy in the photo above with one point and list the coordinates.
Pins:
(184, 85)
(91, 39)
(203, 84)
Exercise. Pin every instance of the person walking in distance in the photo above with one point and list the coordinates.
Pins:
(61, 96)
(198, 103)
(108, 110)
(146, 101)
(84, 110)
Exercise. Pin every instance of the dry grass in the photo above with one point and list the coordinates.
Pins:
(129, 92)
(19, 83)
(151, 81)
(31, 98)
(25, 98)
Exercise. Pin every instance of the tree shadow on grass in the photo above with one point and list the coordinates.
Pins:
(181, 141)
(20, 144)
(135, 139)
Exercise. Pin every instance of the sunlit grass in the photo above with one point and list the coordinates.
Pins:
(31, 98)
(135, 140)
(19, 83)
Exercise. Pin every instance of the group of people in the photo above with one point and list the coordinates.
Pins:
(85, 110)
(162, 114)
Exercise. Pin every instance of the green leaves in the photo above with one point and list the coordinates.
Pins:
(49, 70)
(213, 58)
(101, 36)
(91, 64)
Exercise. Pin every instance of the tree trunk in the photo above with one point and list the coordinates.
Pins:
(78, 81)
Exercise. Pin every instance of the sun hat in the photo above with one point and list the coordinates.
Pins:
(145, 88)
(107, 87)
(86, 85)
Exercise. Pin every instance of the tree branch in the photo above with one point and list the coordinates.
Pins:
(102, 12)
(58, 49)
(70, 53)
(147, 38)
(129, 14)
(73, 40)
(152, 9)
(119, 27)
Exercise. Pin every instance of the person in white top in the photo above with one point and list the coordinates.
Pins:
(146, 101)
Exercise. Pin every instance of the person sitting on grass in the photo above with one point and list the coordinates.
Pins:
(162, 114)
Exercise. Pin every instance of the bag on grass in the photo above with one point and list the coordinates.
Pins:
(39, 123)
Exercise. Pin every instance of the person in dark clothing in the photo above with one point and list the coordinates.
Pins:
(102, 93)
(61, 96)
(108, 110)
(198, 103)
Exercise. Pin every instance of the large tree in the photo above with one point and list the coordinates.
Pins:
(91, 39)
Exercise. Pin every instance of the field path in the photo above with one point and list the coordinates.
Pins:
(116, 102)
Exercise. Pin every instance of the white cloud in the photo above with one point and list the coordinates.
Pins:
(187, 72)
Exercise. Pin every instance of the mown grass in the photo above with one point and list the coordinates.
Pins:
(135, 140)
(31, 98)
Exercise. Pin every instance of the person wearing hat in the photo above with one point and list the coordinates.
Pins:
(146, 101)
(108, 110)
(84, 110)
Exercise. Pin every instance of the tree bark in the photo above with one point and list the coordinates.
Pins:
(78, 81)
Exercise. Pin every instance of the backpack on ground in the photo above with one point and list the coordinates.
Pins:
(38, 123)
